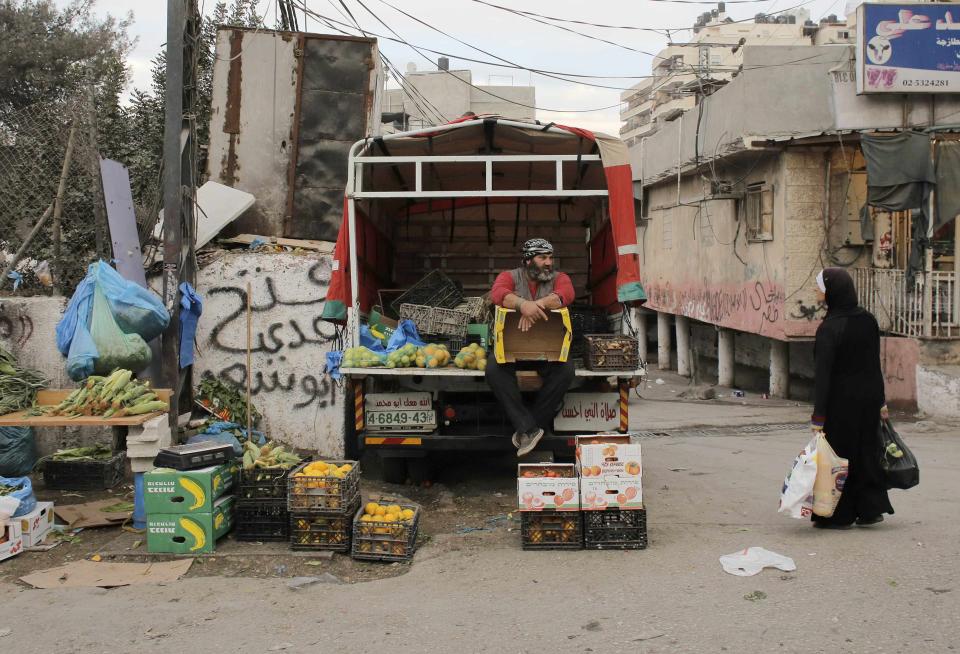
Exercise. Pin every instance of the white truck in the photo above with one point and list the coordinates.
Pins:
(461, 198)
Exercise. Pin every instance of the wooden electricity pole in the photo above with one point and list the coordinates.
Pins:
(179, 186)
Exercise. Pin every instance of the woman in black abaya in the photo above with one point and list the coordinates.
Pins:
(849, 400)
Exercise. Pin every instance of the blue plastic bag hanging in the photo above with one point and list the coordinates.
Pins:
(334, 359)
(191, 306)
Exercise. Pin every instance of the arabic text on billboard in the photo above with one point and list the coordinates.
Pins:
(909, 48)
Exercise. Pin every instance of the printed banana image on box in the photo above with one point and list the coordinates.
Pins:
(194, 533)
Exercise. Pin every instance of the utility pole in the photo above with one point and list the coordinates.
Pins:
(179, 184)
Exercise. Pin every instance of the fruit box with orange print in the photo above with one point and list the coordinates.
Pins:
(547, 486)
(601, 455)
(611, 474)
(11, 539)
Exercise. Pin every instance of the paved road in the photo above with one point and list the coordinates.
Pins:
(892, 588)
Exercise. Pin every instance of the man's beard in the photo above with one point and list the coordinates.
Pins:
(538, 274)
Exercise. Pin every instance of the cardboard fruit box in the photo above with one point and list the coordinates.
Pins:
(35, 526)
(542, 486)
(11, 540)
(187, 491)
(547, 340)
(610, 492)
(176, 533)
(608, 455)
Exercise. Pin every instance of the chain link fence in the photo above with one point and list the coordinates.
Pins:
(33, 147)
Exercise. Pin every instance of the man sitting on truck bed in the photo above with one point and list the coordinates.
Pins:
(533, 289)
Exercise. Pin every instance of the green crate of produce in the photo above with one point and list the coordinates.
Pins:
(176, 533)
(187, 491)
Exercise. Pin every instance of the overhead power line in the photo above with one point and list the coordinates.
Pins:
(480, 89)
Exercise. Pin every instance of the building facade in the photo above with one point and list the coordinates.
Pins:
(432, 97)
(683, 72)
(764, 184)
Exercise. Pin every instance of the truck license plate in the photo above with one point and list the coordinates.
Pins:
(400, 412)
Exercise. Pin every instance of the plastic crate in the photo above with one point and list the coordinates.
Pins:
(434, 290)
(436, 321)
(612, 352)
(385, 541)
(551, 530)
(586, 320)
(321, 532)
(262, 484)
(615, 529)
(261, 521)
(321, 493)
(84, 475)
(477, 308)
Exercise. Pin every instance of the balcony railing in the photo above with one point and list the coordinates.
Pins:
(927, 308)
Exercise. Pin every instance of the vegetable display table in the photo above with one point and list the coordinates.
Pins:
(54, 397)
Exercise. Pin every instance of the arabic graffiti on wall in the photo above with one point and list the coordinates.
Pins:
(289, 339)
(15, 326)
(908, 48)
(753, 307)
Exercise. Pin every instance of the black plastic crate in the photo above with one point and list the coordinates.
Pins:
(262, 484)
(377, 540)
(261, 521)
(551, 530)
(84, 475)
(614, 529)
(310, 531)
(586, 320)
(309, 493)
(434, 290)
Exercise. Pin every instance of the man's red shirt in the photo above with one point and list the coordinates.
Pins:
(503, 286)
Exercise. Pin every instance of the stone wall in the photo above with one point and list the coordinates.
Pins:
(301, 406)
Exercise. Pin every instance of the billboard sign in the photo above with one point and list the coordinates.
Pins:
(908, 48)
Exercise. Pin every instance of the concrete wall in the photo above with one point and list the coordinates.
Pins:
(27, 330)
(742, 290)
(252, 150)
(301, 406)
(938, 390)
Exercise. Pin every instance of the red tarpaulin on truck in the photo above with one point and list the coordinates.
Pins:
(468, 138)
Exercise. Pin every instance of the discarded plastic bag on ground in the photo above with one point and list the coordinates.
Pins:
(24, 494)
(752, 560)
(796, 496)
(831, 476)
(115, 349)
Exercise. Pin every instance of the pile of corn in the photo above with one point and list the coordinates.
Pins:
(114, 396)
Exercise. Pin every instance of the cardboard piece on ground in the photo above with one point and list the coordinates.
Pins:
(107, 575)
(218, 206)
(91, 514)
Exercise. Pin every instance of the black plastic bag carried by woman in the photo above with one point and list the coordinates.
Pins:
(900, 468)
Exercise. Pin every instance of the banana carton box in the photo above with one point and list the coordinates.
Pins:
(187, 491)
(550, 486)
(176, 533)
(611, 474)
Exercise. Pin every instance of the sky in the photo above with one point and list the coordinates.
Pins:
(500, 33)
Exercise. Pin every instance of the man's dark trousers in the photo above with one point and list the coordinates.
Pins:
(502, 379)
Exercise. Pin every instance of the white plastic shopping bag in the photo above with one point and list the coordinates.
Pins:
(796, 496)
(8, 506)
(752, 560)
(831, 476)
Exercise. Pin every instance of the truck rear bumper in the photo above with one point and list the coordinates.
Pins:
(409, 445)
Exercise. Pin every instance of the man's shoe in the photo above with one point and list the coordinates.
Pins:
(866, 522)
(529, 441)
(516, 439)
